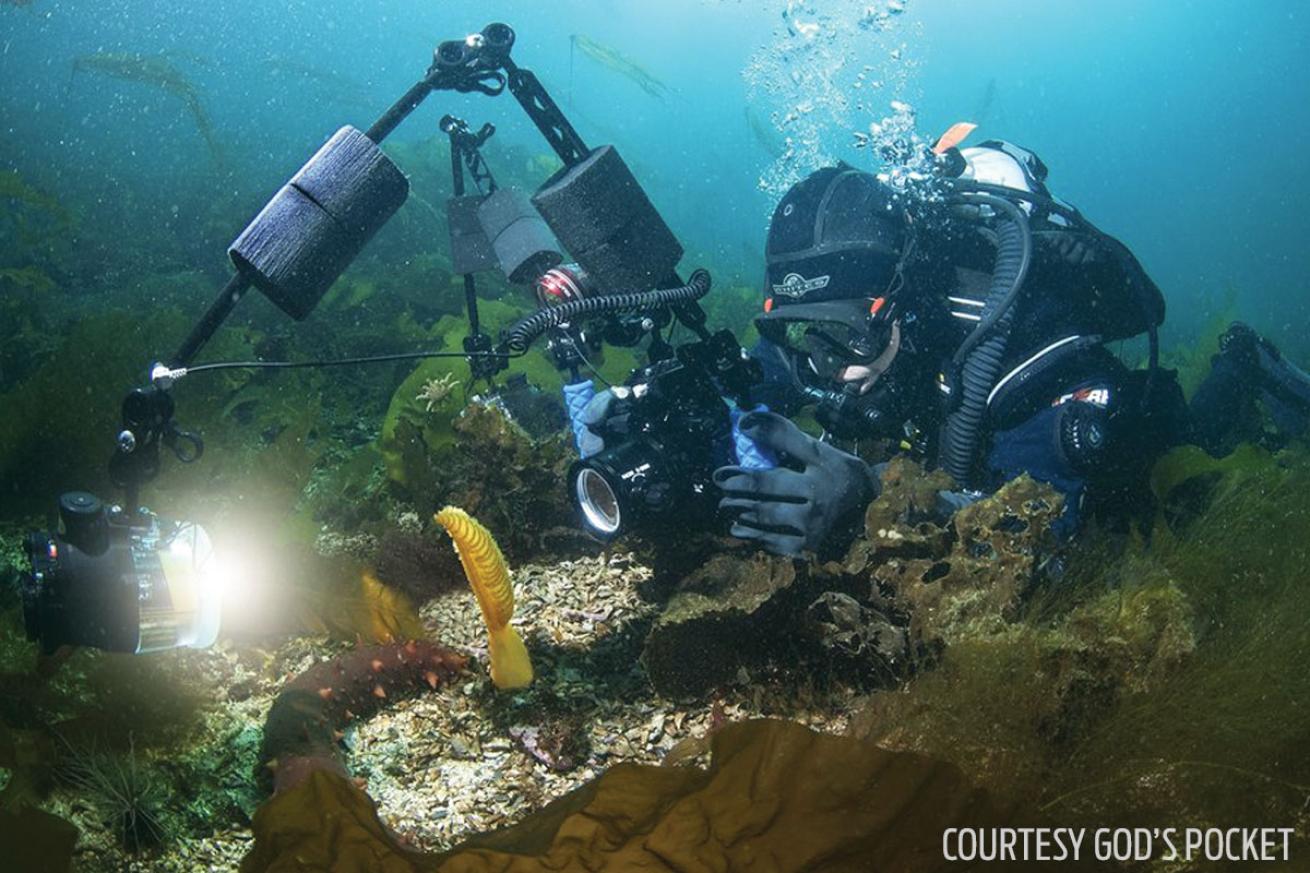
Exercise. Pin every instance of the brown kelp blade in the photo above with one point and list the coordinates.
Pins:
(206, 129)
(617, 62)
(155, 71)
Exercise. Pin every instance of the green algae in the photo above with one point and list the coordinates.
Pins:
(29, 278)
(127, 793)
(1191, 359)
(1164, 686)
(57, 434)
(415, 441)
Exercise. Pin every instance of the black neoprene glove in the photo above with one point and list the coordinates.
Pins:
(810, 502)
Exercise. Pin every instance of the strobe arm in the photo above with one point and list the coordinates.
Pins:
(292, 251)
(594, 206)
(546, 115)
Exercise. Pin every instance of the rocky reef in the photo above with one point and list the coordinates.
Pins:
(910, 584)
(1139, 686)
(1030, 680)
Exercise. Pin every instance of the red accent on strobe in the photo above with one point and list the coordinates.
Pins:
(768, 304)
(552, 285)
(877, 305)
(54, 551)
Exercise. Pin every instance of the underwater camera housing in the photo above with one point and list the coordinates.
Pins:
(120, 582)
(670, 428)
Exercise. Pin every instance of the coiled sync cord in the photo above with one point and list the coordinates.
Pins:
(525, 330)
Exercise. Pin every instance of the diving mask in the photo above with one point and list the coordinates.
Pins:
(829, 347)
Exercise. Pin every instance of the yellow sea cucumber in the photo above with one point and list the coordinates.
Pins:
(488, 576)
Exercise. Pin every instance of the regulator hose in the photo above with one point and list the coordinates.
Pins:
(1074, 218)
(518, 337)
(980, 356)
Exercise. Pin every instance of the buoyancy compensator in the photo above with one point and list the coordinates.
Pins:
(1001, 187)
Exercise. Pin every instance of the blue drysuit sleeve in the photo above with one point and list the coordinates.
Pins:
(1033, 447)
(1063, 444)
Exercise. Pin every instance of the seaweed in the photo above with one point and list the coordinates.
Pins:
(775, 794)
(1191, 359)
(155, 71)
(30, 278)
(479, 457)
(19, 193)
(1161, 686)
(31, 839)
(128, 793)
(416, 563)
(59, 421)
(35, 241)
(615, 61)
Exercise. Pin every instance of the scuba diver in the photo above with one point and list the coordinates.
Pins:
(968, 326)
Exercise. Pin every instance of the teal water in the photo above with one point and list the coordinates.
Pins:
(1179, 127)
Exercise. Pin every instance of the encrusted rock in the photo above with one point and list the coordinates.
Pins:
(960, 578)
(901, 522)
(727, 615)
(858, 635)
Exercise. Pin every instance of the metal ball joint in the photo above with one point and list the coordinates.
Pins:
(494, 41)
(498, 37)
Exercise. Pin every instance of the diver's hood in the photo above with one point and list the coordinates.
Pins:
(835, 237)
(995, 164)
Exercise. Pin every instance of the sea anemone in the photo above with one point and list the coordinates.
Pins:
(127, 794)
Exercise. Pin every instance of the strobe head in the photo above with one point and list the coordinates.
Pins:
(522, 244)
(119, 582)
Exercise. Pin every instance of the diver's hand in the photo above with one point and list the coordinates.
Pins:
(808, 502)
(597, 411)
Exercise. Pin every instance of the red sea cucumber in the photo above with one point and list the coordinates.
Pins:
(303, 728)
